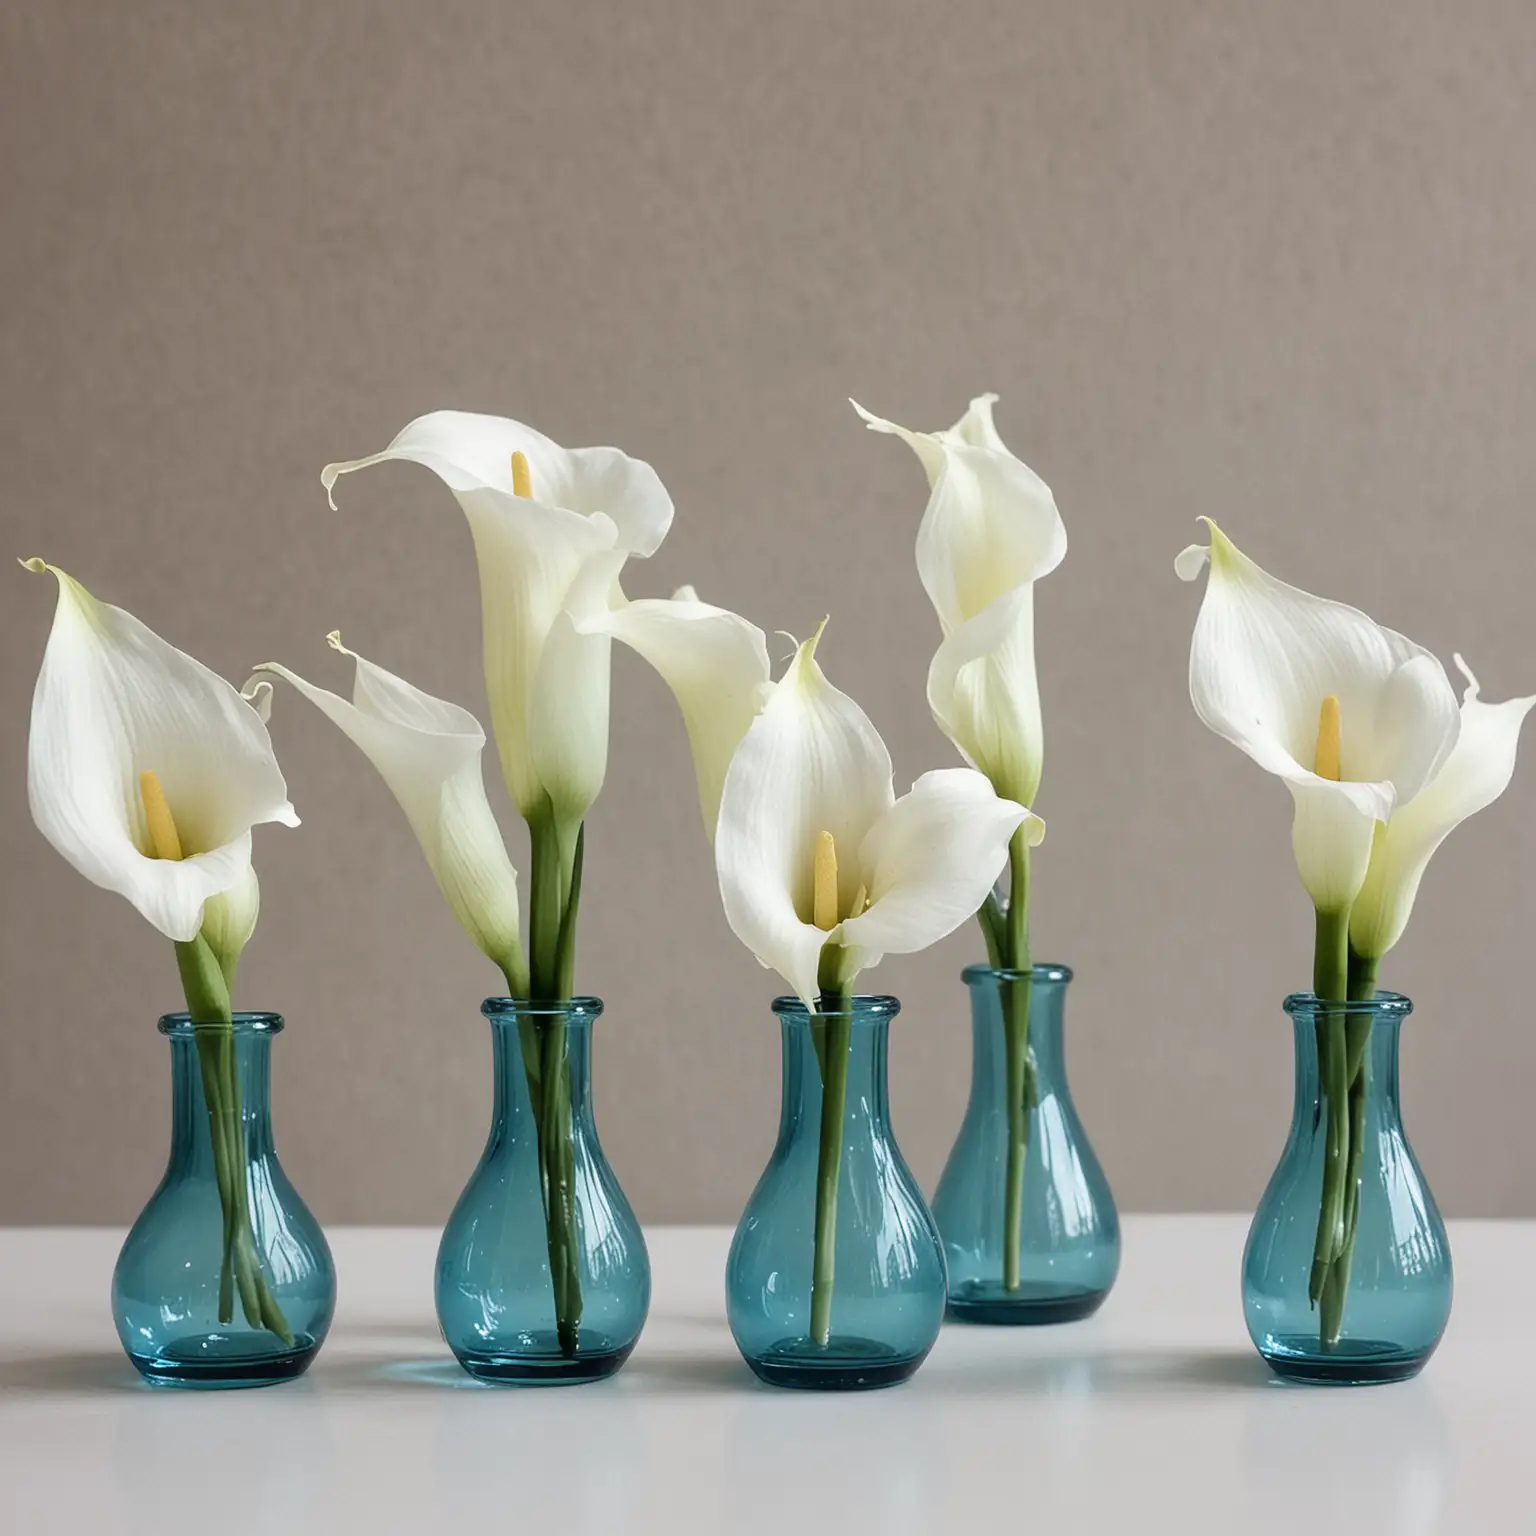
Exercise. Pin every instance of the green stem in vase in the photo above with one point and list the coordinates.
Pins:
(1356, 1075)
(555, 883)
(835, 1023)
(208, 1005)
(1330, 983)
(1015, 1004)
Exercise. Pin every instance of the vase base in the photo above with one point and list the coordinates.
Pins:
(225, 1361)
(843, 1365)
(540, 1364)
(1361, 1362)
(1034, 1304)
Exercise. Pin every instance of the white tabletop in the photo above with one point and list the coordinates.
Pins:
(1155, 1415)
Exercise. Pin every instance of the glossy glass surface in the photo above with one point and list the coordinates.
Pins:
(165, 1289)
(888, 1294)
(1398, 1295)
(1069, 1251)
(495, 1297)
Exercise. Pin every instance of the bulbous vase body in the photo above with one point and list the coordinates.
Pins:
(1067, 1232)
(885, 1285)
(180, 1315)
(1394, 1290)
(542, 1272)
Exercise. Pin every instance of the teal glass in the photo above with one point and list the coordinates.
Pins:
(1069, 1244)
(165, 1289)
(1398, 1293)
(888, 1290)
(495, 1292)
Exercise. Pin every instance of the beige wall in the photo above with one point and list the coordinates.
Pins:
(1273, 263)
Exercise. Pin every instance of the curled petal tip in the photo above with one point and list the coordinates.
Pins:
(258, 694)
(1192, 561)
(328, 478)
(36, 566)
(1474, 689)
(871, 421)
(334, 641)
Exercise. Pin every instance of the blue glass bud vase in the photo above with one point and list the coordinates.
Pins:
(185, 1316)
(1393, 1285)
(1065, 1237)
(542, 1273)
(883, 1292)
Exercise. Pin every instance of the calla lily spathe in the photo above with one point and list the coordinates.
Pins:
(1476, 773)
(990, 531)
(115, 702)
(1265, 661)
(811, 768)
(428, 752)
(714, 661)
(535, 542)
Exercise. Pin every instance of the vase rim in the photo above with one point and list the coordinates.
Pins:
(868, 1006)
(1392, 1005)
(570, 1008)
(1043, 970)
(245, 1022)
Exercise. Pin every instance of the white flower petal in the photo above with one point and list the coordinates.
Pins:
(470, 452)
(991, 522)
(930, 861)
(1264, 657)
(428, 752)
(1331, 835)
(715, 663)
(928, 446)
(114, 700)
(529, 551)
(1266, 654)
(976, 427)
(568, 709)
(984, 696)
(811, 762)
(991, 525)
(1476, 773)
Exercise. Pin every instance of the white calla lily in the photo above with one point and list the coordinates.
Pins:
(1354, 718)
(990, 531)
(811, 773)
(714, 661)
(538, 530)
(118, 713)
(428, 752)
(1475, 774)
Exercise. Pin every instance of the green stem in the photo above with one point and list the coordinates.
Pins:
(565, 950)
(1330, 983)
(558, 1156)
(1356, 1075)
(837, 1021)
(989, 915)
(546, 906)
(555, 884)
(208, 1005)
(1015, 1003)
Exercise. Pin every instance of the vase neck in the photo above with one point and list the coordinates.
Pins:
(864, 1031)
(243, 1053)
(1310, 1027)
(1046, 1004)
(540, 1040)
